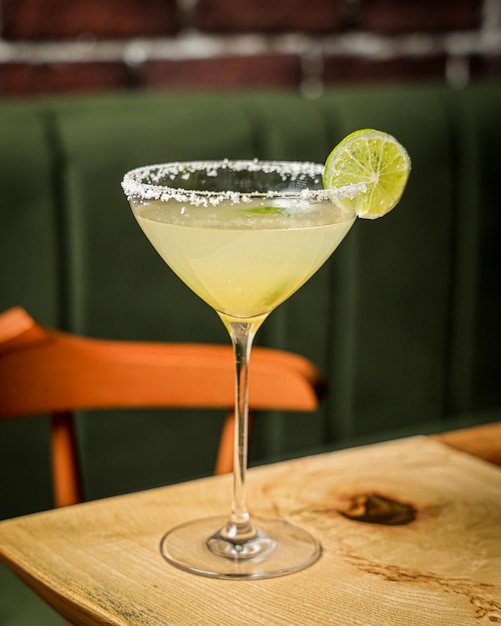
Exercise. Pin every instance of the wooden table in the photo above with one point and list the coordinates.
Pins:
(99, 563)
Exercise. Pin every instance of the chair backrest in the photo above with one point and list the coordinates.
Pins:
(46, 371)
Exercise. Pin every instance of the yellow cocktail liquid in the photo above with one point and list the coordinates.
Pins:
(243, 263)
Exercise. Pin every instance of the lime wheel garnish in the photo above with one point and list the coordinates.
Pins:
(375, 159)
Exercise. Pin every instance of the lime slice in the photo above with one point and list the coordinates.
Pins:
(375, 159)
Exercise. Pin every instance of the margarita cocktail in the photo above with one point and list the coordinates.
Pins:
(244, 236)
(245, 257)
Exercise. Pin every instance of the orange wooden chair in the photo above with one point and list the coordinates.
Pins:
(45, 371)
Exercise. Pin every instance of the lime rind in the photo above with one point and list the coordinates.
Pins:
(375, 159)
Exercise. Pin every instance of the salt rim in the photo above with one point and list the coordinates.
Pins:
(136, 190)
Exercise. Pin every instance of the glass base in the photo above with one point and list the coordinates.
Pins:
(277, 548)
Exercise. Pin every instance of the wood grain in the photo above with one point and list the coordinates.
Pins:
(99, 563)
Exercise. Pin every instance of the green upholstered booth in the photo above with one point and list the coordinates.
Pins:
(403, 320)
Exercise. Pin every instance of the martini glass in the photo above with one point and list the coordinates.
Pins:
(244, 236)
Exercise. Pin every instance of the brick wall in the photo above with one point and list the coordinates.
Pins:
(55, 46)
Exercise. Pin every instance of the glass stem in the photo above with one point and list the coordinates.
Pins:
(242, 344)
(242, 333)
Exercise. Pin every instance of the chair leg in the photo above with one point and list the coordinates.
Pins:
(65, 466)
